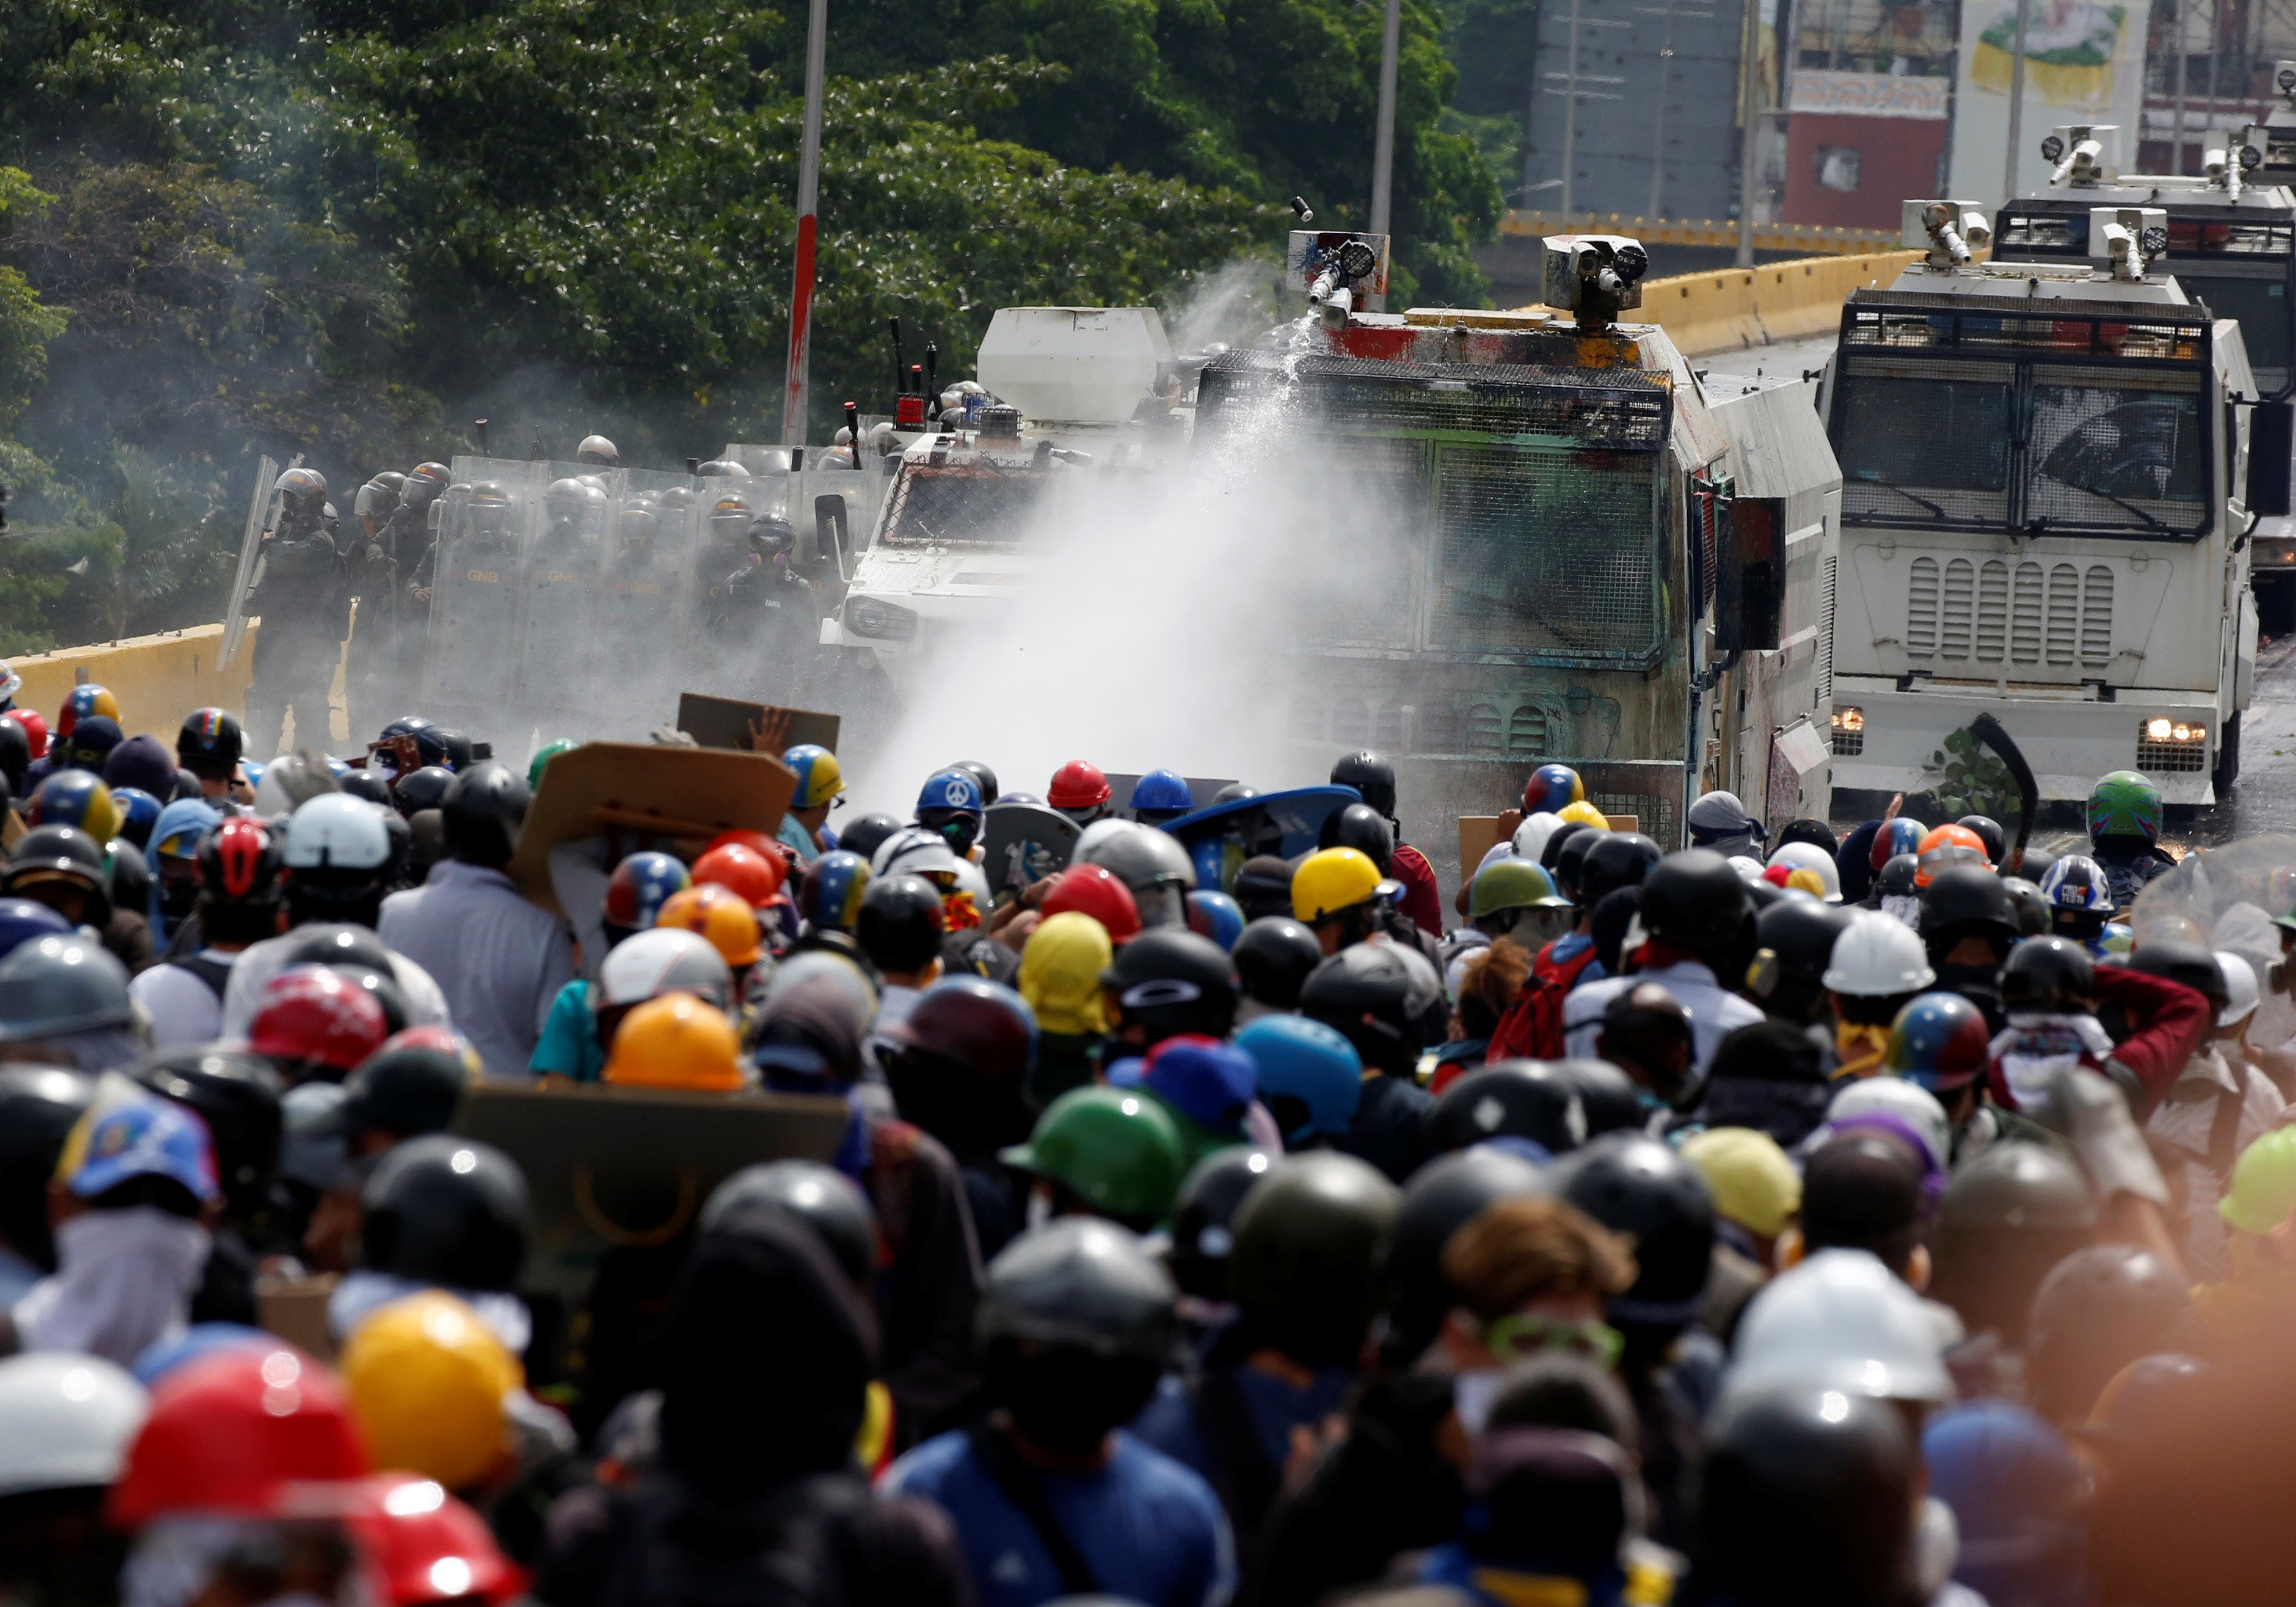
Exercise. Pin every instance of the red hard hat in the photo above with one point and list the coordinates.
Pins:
(424, 1545)
(309, 1013)
(1090, 890)
(756, 877)
(748, 839)
(1077, 785)
(249, 1431)
(36, 730)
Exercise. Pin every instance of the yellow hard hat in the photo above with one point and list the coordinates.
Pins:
(1585, 814)
(674, 1041)
(427, 1378)
(1753, 1183)
(1331, 880)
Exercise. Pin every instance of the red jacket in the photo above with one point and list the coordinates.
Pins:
(2167, 1021)
(1421, 900)
(1532, 1027)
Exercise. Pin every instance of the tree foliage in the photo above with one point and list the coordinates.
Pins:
(332, 226)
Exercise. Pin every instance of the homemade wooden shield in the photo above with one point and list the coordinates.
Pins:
(612, 1167)
(729, 722)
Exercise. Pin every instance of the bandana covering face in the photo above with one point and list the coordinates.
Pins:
(123, 1281)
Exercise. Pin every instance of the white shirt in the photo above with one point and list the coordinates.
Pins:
(184, 1009)
(426, 1006)
(1714, 1013)
(499, 960)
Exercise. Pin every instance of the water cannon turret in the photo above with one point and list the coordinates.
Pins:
(1339, 269)
(1596, 276)
(2085, 154)
(2126, 241)
(1952, 232)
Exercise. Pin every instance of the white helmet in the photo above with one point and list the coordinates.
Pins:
(290, 781)
(1879, 956)
(660, 960)
(2240, 988)
(1808, 856)
(1096, 833)
(1910, 1102)
(337, 832)
(914, 851)
(65, 1421)
(1530, 837)
(1749, 868)
(597, 450)
(1840, 1320)
(971, 879)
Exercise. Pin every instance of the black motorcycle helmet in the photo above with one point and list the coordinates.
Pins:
(2010, 1214)
(2033, 914)
(403, 1091)
(1509, 1099)
(1310, 1252)
(1570, 858)
(1370, 775)
(825, 1199)
(483, 811)
(1794, 940)
(1896, 879)
(1442, 1197)
(419, 789)
(38, 1105)
(1364, 992)
(446, 1210)
(1076, 1325)
(1988, 833)
(1362, 828)
(15, 755)
(901, 923)
(862, 835)
(2048, 973)
(131, 876)
(1695, 898)
(1966, 901)
(1613, 1104)
(1169, 981)
(237, 1095)
(2190, 964)
(1614, 860)
(1203, 1215)
(367, 785)
(1551, 854)
(1642, 1187)
(2099, 1310)
(1272, 958)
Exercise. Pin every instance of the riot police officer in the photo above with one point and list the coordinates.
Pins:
(301, 597)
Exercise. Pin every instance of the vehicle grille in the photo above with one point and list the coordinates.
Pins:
(1960, 613)
(2171, 759)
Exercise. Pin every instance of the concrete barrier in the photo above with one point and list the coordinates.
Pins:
(157, 679)
(1734, 308)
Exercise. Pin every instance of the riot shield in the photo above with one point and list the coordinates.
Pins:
(2231, 898)
(629, 1168)
(250, 543)
(563, 598)
(645, 640)
(486, 521)
(1021, 843)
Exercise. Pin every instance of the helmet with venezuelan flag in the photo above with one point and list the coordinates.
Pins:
(818, 778)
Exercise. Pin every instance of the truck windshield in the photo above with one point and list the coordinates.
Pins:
(2259, 307)
(2036, 447)
(968, 504)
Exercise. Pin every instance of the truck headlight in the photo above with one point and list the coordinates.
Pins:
(2162, 730)
(885, 621)
(1848, 726)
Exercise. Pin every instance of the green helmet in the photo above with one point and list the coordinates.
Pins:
(1116, 1149)
(541, 760)
(1512, 883)
(2124, 804)
(1311, 1248)
(2263, 1190)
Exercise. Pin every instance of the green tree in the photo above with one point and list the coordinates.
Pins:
(27, 327)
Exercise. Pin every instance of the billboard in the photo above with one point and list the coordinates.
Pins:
(2084, 63)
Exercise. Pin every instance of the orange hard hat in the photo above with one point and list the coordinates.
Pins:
(720, 915)
(756, 877)
(760, 840)
(1945, 846)
(247, 1429)
(674, 1041)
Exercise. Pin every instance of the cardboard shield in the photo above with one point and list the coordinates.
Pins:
(1286, 825)
(612, 1167)
(648, 789)
(729, 723)
(1021, 843)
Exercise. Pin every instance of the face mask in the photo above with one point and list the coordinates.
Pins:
(1472, 1396)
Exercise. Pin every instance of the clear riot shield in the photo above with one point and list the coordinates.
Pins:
(2231, 898)
(486, 521)
(563, 594)
(644, 634)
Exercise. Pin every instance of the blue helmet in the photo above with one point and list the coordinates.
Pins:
(138, 812)
(1938, 1041)
(75, 797)
(1217, 916)
(22, 920)
(176, 833)
(818, 777)
(2077, 882)
(1552, 788)
(1161, 793)
(1311, 1077)
(640, 885)
(834, 886)
(952, 788)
